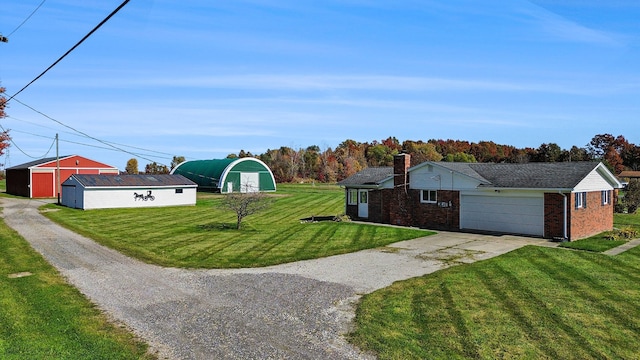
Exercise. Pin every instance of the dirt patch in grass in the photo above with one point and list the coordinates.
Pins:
(19, 275)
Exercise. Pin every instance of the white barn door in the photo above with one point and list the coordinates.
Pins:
(249, 182)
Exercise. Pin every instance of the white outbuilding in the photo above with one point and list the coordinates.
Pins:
(85, 191)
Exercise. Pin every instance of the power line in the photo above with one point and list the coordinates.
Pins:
(27, 19)
(74, 142)
(72, 48)
(75, 134)
(22, 151)
(80, 132)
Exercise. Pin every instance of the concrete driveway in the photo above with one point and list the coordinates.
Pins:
(299, 310)
(369, 270)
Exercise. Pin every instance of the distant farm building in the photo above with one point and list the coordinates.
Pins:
(38, 179)
(228, 175)
(127, 191)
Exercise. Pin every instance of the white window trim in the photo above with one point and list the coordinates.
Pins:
(580, 199)
(606, 197)
(351, 197)
(428, 200)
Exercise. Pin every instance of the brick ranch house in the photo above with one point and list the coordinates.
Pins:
(565, 200)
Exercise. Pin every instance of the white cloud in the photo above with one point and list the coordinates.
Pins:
(562, 28)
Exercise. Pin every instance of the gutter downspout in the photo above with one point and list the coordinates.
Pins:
(564, 218)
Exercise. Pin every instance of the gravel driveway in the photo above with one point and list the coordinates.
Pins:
(293, 311)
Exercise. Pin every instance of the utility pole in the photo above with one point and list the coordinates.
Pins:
(57, 171)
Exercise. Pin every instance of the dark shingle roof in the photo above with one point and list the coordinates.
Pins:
(35, 163)
(465, 169)
(629, 174)
(535, 175)
(368, 176)
(92, 180)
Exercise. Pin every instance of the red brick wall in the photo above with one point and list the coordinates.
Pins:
(401, 163)
(400, 206)
(554, 215)
(378, 206)
(593, 219)
(433, 216)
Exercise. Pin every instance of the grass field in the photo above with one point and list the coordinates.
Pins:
(41, 317)
(628, 225)
(203, 236)
(533, 303)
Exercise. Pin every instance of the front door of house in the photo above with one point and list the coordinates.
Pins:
(363, 203)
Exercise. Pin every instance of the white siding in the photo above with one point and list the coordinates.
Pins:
(438, 178)
(102, 198)
(594, 181)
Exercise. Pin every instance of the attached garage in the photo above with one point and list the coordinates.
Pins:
(38, 179)
(228, 175)
(503, 213)
(562, 200)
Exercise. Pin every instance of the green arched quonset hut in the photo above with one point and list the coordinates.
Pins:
(228, 175)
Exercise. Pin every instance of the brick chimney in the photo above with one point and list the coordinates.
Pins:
(401, 164)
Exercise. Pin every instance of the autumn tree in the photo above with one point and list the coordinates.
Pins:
(380, 155)
(550, 152)
(421, 151)
(631, 156)
(132, 166)
(5, 139)
(460, 157)
(607, 148)
(310, 162)
(155, 168)
(575, 154)
(177, 160)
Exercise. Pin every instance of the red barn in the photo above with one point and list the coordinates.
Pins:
(37, 179)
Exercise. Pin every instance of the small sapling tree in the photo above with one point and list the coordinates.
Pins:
(245, 204)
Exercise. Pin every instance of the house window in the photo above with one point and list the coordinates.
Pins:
(581, 200)
(364, 197)
(178, 191)
(352, 197)
(606, 197)
(428, 196)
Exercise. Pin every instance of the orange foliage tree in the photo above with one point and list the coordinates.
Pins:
(4, 135)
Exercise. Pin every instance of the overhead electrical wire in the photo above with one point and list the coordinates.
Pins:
(79, 135)
(72, 48)
(54, 64)
(83, 133)
(25, 153)
(27, 19)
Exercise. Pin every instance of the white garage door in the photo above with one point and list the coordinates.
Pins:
(518, 215)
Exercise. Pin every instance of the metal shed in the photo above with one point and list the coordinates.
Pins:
(228, 175)
(127, 191)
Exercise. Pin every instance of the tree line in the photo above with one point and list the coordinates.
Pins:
(350, 156)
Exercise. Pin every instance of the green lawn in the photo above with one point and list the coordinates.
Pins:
(532, 303)
(41, 317)
(203, 236)
(627, 228)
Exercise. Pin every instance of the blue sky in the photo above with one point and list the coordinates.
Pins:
(203, 79)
